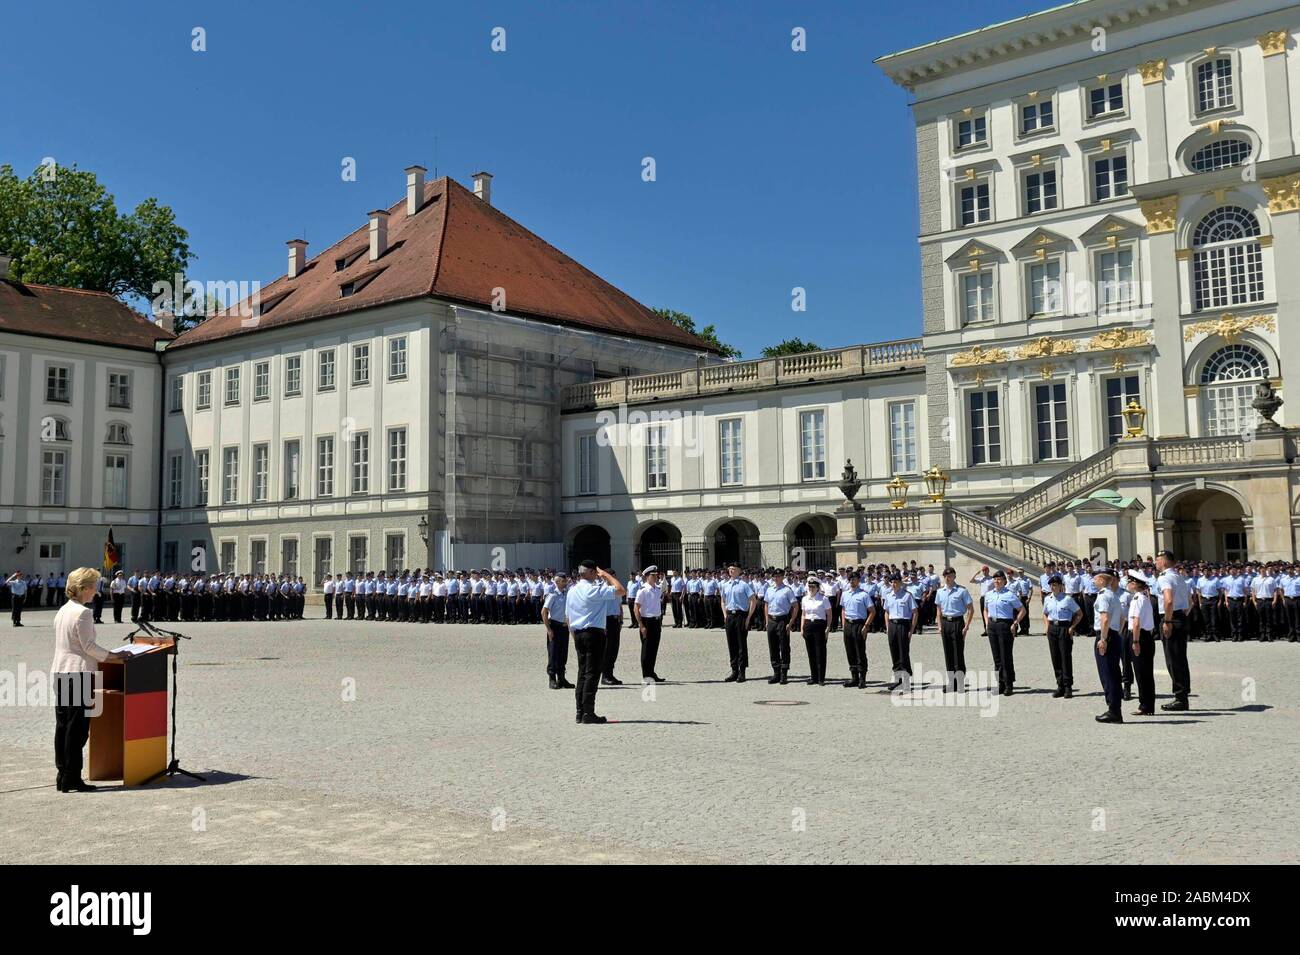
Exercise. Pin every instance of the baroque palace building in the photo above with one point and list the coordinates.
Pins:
(1109, 233)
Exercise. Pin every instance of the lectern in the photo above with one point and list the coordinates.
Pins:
(128, 739)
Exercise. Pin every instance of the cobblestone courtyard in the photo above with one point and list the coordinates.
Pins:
(455, 750)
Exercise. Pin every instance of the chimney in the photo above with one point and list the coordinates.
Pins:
(166, 320)
(414, 189)
(4, 265)
(483, 186)
(297, 257)
(378, 233)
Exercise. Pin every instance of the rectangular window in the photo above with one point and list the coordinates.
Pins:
(1109, 177)
(397, 358)
(397, 459)
(227, 557)
(175, 480)
(360, 364)
(902, 437)
(177, 391)
(115, 480)
(230, 475)
(203, 392)
(1036, 117)
(325, 466)
(261, 381)
(977, 297)
(361, 462)
(325, 377)
(324, 558)
(656, 458)
(812, 445)
(586, 464)
(202, 475)
(395, 552)
(985, 428)
(1119, 392)
(58, 383)
(972, 132)
(289, 556)
(357, 556)
(1040, 191)
(1051, 422)
(1107, 98)
(232, 385)
(261, 472)
(292, 376)
(1116, 288)
(292, 469)
(171, 555)
(1214, 88)
(119, 389)
(257, 555)
(731, 436)
(1045, 288)
(974, 203)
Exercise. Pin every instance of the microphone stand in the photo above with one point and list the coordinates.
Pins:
(173, 767)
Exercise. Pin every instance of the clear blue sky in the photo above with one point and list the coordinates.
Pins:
(775, 169)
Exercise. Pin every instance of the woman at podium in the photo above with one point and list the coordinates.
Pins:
(76, 658)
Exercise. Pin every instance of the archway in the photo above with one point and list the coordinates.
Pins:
(590, 542)
(808, 542)
(736, 541)
(660, 544)
(1207, 524)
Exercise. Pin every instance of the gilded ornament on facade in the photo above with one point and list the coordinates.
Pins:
(1119, 338)
(1160, 214)
(1283, 193)
(1229, 326)
(1273, 42)
(979, 355)
(1046, 347)
(1153, 71)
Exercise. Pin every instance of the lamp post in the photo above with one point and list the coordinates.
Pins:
(1134, 417)
(936, 482)
(26, 538)
(424, 528)
(897, 489)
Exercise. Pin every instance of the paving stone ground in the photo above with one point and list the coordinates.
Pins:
(455, 750)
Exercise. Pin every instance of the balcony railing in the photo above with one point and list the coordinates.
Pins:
(858, 360)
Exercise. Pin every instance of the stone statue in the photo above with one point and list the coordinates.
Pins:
(1266, 404)
(849, 482)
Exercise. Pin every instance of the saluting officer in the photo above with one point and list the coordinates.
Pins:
(586, 606)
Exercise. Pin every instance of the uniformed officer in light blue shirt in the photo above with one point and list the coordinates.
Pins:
(738, 602)
(778, 604)
(1061, 614)
(1106, 622)
(956, 608)
(856, 608)
(1004, 611)
(1174, 599)
(900, 616)
(556, 622)
(586, 608)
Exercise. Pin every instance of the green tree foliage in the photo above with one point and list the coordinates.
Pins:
(791, 346)
(708, 332)
(62, 227)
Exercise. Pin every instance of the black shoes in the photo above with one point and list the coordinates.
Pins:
(564, 684)
(851, 683)
(1141, 712)
(554, 684)
(1109, 717)
(740, 675)
(1058, 694)
(730, 678)
(657, 678)
(775, 677)
(611, 680)
(785, 672)
(1069, 693)
(1175, 706)
(79, 786)
(1128, 691)
(589, 718)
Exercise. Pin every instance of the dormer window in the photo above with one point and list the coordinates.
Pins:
(348, 289)
(343, 261)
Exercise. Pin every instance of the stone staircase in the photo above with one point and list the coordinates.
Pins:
(998, 546)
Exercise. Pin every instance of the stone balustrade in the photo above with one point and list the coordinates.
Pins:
(852, 362)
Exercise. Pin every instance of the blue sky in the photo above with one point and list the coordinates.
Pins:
(775, 169)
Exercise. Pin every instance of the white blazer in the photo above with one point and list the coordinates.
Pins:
(75, 649)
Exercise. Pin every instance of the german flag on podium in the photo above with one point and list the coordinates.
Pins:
(128, 739)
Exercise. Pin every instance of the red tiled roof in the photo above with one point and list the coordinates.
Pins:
(459, 248)
(52, 311)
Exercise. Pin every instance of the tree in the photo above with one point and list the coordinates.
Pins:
(791, 346)
(62, 227)
(708, 332)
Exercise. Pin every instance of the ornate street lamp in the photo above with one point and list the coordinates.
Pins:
(26, 538)
(424, 528)
(936, 482)
(1134, 417)
(897, 489)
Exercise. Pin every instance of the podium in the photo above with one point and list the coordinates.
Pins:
(128, 739)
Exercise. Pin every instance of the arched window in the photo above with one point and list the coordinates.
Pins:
(1227, 261)
(54, 428)
(1220, 154)
(1228, 387)
(118, 433)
